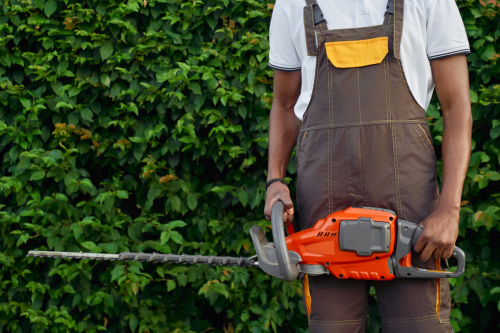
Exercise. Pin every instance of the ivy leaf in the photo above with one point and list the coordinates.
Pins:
(106, 49)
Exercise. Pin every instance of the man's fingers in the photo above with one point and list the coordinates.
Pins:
(420, 244)
(438, 252)
(287, 201)
(448, 252)
(427, 252)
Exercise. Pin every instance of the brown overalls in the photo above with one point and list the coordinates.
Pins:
(365, 141)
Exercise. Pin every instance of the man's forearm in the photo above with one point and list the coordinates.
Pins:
(452, 86)
(456, 153)
(284, 129)
(284, 126)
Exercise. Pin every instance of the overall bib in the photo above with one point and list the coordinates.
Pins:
(365, 141)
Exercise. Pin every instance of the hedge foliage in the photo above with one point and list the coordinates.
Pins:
(142, 126)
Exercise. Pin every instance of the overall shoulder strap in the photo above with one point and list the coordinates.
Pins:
(313, 21)
(394, 15)
(398, 26)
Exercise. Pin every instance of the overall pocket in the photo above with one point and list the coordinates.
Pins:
(357, 53)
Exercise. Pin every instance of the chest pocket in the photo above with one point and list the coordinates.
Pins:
(357, 53)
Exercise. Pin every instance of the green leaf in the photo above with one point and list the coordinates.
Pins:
(176, 224)
(170, 285)
(117, 272)
(86, 114)
(106, 49)
(122, 194)
(176, 203)
(91, 246)
(61, 197)
(50, 7)
(243, 196)
(242, 110)
(111, 247)
(37, 175)
(176, 237)
(487, 52)
(164, 237)
(69, 289)
(195, 87)
(105, 80)
(192, 201)
(495, 132)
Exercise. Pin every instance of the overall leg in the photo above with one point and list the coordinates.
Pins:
(333, 305)
(415, 305)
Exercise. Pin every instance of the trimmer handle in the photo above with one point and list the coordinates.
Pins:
(408, 233)
(457, 253)
(288, 271)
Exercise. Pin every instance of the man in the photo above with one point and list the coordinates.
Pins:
(351, 86)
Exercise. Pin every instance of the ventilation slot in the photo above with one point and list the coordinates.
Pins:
(326, 235)
(320, 233)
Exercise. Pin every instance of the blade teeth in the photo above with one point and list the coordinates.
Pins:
(182, 259)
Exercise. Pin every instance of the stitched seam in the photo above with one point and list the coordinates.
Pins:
(408, 320)
(430, 142)
(361, 169)
(407, 88)
(314, 85)
(328, 176)
(421, 139)
(359, 98)
(347, 154)
(365, 123)
(306, 34)
(353, 321)
(360, 33)
(396, 168)
(386, 90)
(302, 148)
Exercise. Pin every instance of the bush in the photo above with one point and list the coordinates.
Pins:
(142, 126)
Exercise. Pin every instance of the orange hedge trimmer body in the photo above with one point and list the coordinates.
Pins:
(320, 246)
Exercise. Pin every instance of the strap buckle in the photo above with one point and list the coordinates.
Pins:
(390, 7)
(318, 14)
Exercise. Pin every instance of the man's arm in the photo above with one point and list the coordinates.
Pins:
(284, 129)
(451, 77)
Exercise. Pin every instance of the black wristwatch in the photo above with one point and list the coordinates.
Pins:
(275, 180)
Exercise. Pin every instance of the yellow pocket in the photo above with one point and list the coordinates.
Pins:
(357, 53)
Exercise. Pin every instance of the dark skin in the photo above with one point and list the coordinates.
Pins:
(452, 87)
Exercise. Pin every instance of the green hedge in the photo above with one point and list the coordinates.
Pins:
(142, 126)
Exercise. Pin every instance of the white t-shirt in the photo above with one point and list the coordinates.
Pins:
(432, 29)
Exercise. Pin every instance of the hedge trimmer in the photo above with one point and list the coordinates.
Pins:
(359, 243)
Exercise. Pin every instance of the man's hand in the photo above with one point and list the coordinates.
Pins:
(439, 236)
(452, 87)
(278, 191)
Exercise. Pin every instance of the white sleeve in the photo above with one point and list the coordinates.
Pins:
(445, 30)
(282, 53)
